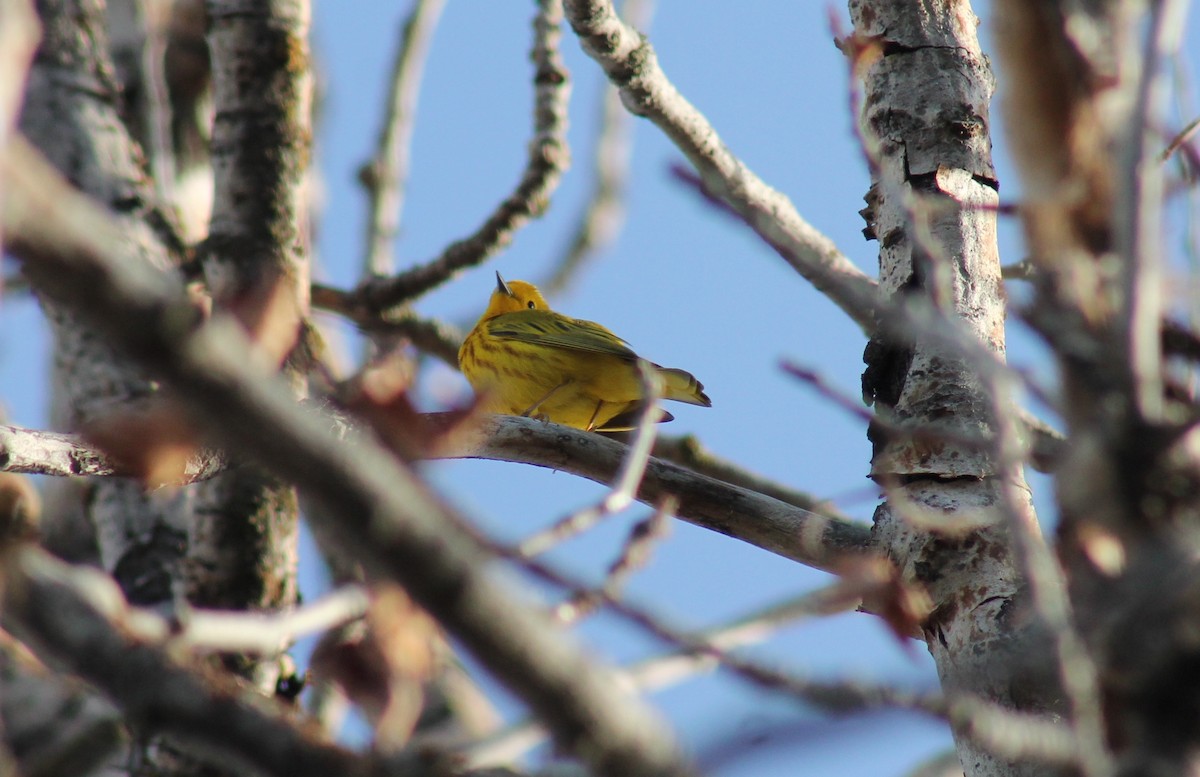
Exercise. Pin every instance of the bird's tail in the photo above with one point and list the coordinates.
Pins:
(682, 386)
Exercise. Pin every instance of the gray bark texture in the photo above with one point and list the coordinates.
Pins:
(229, 542)
(925, 121)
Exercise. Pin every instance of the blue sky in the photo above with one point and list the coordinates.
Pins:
(686, 285)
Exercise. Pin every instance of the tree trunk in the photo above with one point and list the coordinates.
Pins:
(230, 542)
(925, 127)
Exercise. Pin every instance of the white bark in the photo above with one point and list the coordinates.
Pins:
(925, 125)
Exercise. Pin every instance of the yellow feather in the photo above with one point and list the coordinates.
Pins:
(526, 359)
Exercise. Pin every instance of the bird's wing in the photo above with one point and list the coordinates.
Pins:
(545, 327)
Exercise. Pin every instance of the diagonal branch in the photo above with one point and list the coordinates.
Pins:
(816, 540)
(386, 175)
(631, 64)
(149, 686)
(604, 215)
(548, 158)
(771, 521)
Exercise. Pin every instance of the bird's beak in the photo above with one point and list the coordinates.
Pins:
(501, 286)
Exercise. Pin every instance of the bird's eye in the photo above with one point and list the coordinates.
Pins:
(530, 305)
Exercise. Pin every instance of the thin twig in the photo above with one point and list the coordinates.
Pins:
(427, 335)
(548, 158)
(604, 214)
(679, 665)
(1043, 453)
(1140, 202)
(853, 407)
(386, 175)
(1003, 731)
(1024, 270)
(629, 478)
(1138, 232)
(433, 337)
(633, 556)
(20, 31)
(268, 634)
(1180, 139)
(158, 101)
(838, 697)
(14, 286)
(860, 52)
(201, 630)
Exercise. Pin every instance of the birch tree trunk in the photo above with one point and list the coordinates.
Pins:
(229, 542)
(946, 521)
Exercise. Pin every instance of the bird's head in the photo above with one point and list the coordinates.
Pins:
(511, 296)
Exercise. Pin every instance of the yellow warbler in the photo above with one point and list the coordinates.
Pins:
(525, 359)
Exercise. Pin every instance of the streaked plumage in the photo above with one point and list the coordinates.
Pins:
(525, 359)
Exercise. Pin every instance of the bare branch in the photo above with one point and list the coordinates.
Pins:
(633, 556)
(55, 616)
(630, 63)
(770, 521)
(268, 634)
(1015, 736)
(629, 477)
(158, 101)
(548, 158)
(831, 696)
(689, 452)
(386, 175)
(19, 34)
(1046, 443)
(604, 214)
(1140, 199)
(1181, 138)
(1047, 585)
(638, 547)
(430, 336)
(200, 630)
(680, 665)
(816, 540)
(1024, 270)
(38, 452)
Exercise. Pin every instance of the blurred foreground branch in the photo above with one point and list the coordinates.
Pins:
(376, 507)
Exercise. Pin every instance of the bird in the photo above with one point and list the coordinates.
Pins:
(525, 359)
